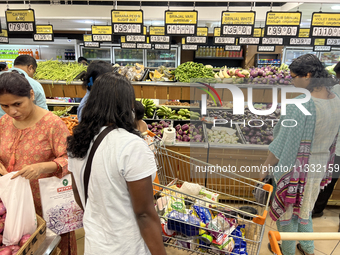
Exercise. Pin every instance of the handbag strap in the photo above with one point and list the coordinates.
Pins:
(96, 144)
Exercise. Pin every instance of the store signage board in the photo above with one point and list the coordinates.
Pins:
(4, 36)
(333, 42)
(196, 39)
(325, 24)
(280, 24)
(219, 40)
(322, 48)
(135, 38)
(147, 46)
(156, 30)
(189, 47)
(202, 31)
(127, 22)
(162, 46)
(249, 40)
(232, 48)
(319, 41)
(304, 33)
(300, 41)
(43, 33)
(20, 21)
(262, 48)
(160, 39)
(101, 33)
(258, 32)
(126, 45)
(237, 23)
(272, 41)
(181, 22)
(91, 44)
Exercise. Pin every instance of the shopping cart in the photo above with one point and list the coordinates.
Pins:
(226, 197)
(275, 236)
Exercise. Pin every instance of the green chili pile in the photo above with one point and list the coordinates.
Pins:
(191, 70)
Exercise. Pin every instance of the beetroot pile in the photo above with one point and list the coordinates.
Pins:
(189, 133)
(12, 249)
(158, 127)
(269, 75)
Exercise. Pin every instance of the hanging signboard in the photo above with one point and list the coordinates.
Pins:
(147, 45)
(304, 33)
(101, 33)
(262, 48)
(237, 23)
(319, 41)
(232, 48)
(219, 40)
(156, 30)
(162, 46)
(258, 32)
(202, 31)
(249, 40)
(272, 41)
(160, 39)
(135, 38)
(20, 21)
(300, 41)
(181, 22)
(144, 30)
(127, 22)
(325, 24)
(200, 38)
(322, 48)
(282, 24)
(125, 45)
(4, 36)
(189, 47)
(43, 33)
(333, 41)
(88, 43)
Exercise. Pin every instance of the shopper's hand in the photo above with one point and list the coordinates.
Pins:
(30, 172)
(2, 170)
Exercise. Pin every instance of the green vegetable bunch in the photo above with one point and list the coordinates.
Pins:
(64, 112)
(58, 71)
(189, 70)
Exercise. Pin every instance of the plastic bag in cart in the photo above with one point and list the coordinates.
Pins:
(17, 197)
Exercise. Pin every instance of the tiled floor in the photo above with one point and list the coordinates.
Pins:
(329, 222)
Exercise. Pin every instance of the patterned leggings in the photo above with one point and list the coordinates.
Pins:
(288, 247)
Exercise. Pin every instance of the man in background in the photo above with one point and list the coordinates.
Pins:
(3, 66)
(27, 65)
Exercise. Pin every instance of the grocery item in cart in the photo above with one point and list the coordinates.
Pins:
(186, 224)
(203, 213)
(176, 204)
(240, 244)
(220, 225)
(190, 188)
(211, 195)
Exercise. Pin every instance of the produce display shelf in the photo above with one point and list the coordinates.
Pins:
(129, 60)
(235, 58)
(53, 102)
(162, 60)
(51, 241)
(103, 59)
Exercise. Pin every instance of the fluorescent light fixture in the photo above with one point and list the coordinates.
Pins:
(335, 7)
(88, 21)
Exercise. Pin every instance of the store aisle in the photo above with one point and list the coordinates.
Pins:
(329, 222)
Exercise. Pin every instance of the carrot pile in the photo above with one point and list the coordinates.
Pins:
(70, 121)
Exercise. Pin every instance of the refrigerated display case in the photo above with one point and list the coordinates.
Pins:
(125, 57)
(330, 58)
(156, 58)
(91, 54)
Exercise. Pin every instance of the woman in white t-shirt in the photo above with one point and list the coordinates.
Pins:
(119, 217)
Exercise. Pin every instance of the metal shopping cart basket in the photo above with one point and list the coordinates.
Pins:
(217, 216)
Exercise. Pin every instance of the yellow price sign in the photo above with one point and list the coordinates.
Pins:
(4, 33)
(183, 40)
(283, 18)
(326, 19)
(148, 39)
(20, 16)
(217, 31)
(304, 32)
(181, 17)
(319, 42)
(144, 30)
(157, 30)
(122, 39)
(238, 18)
(127, 17)
(102, 30)
(257, 32)
(87, 38)
(202, 31)
(44, 29)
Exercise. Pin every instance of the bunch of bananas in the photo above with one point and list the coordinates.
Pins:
(149, 106)
(165, 112)
(182, 114)
(186, 114)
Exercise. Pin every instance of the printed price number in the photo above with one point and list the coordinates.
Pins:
(224, 40)
(189, 47)
(91, 44)
(236, 30)
(102, 38)
(127, 28)
(41, 37)
(326, 31)
(272, 41)
(266, 48)
(144, 46)
(160, 39)
(249, 40)
(322, 48)
(135, 38)
(180, 29)
(300, 41)
(282, 30)
(3, 39)
(333, 42)
(129, 45)
(233, 47)
(196, 39)
(162, 46)
(20, 27)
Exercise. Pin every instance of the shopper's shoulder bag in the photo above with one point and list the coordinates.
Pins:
(96, 144)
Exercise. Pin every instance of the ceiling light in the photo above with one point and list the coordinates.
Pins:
(335, 7)
(88, 21)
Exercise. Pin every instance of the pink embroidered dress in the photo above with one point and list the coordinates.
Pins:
(43, 142)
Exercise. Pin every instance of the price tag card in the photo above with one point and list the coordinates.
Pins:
(304, 32)
(127, 22)
(125, 45)
(147, 46)
(162, 46)
(325, 24)
(262, 48)
(181, 22)
(237, 23)
(317, 48)
(282, 24)
(249, 40)
(136, 38)
(319, 41)
(189, 47)
(101, 33)
(232, 48)
(43, 33)
(202, 31)
(160, 39)
(144, 30)
(156, 30)
(91, 44)
(20, 21)
(196, 39)
(224, 40)
(272, 41)
(300, 41)
(4, 36)
(258, 32)
(87, 38)
(333, 41)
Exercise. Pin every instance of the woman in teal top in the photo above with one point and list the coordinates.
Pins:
(305, 151)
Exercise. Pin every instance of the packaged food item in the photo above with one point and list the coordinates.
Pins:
(168, 192)
(211, 195)
(165, 229)
(203, 213)
(219, 225)
(190, 188)
(227, 244)
(162, 203)
(240, 243)
(177, 221)
(175, 204)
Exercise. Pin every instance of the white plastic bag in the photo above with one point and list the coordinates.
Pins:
(60, 210)
(17, 197)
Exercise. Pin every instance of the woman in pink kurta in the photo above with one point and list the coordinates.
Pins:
(32, 142)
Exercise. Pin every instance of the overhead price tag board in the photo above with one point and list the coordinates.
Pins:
(249, 40)
(322, 48)
(181, 22)
(88, 43)
(232, 48)
(156, 30)
(136, 38)
(237, 23)
(304, 32)
(325, 24)
(43, 33)
(20, 21)
(272, 41)
(189, 46)
(144, 30)
(258, 32)
(196, 39)
(300, 41)
(101, 33)
(319, 41)
(162, 46)
(147, 45)
(125, 45)
(282, 24)
(4, 36)
(127, 22)
(262, 48)
(160, 39)
(219, 40)
(202, 31)
(333, 41)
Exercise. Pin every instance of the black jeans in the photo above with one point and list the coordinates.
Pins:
(325, 194)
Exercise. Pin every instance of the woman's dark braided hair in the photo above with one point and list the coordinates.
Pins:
(309, 63)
